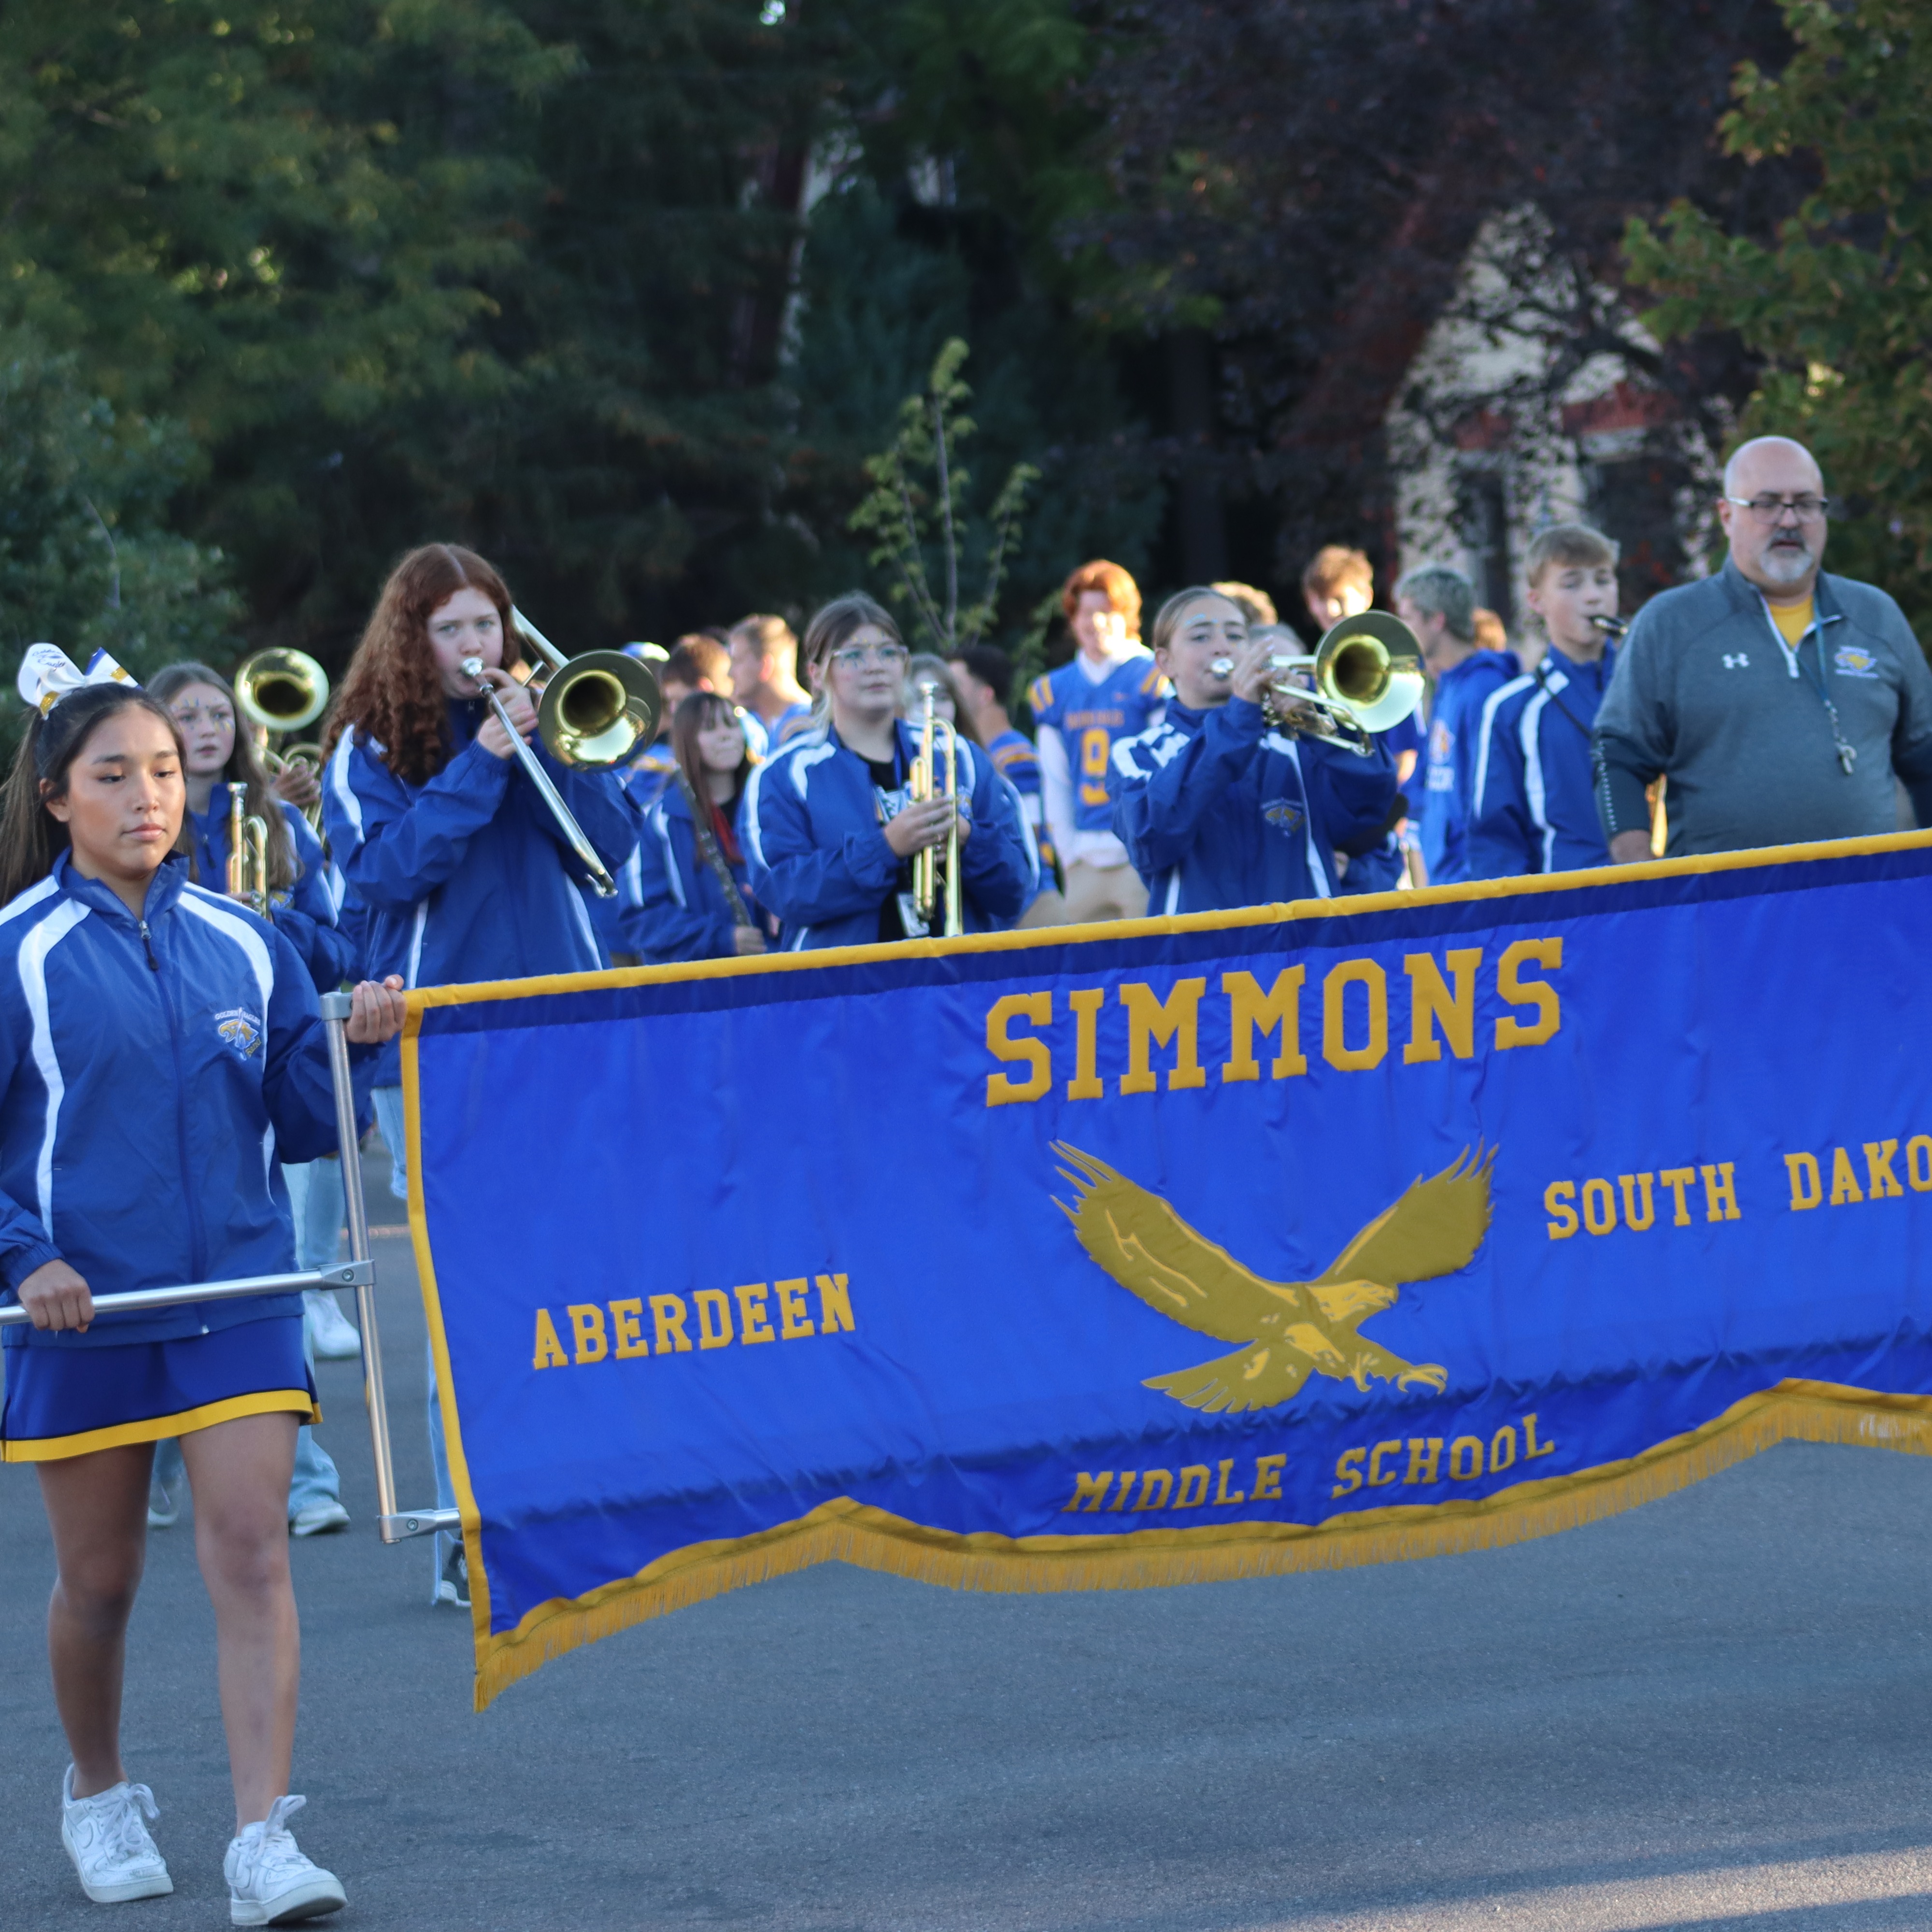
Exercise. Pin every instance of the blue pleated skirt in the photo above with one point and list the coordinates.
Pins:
(71, 1402)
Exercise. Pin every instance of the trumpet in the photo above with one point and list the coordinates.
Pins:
(247, 853)
(926, 890)
(277, 691)
(1364, 676)
(1613, 628)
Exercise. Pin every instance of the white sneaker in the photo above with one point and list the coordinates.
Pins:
(335, 1338)
(109, 1844)
(163, 1506)
(270, 1881)
(319, 1518)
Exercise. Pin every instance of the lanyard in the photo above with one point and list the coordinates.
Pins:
(1543, 685)
(1848, 754)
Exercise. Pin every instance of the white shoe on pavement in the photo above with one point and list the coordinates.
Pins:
(336, 1338)
(271, 1882)
(163, 1504)
(318, 1519)
(109, 1844)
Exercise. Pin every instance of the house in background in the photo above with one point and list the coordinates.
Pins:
(1530, 403)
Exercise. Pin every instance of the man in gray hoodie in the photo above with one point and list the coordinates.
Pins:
(1782, 703)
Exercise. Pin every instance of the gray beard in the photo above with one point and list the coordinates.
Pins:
(1783, 564)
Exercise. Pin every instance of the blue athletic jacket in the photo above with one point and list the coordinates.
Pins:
(811, 826)
(1447, 772)
(1534, 807)
(1216, 808)
(681, 912)
(468, 877)
(306, 915)
(154, 1074)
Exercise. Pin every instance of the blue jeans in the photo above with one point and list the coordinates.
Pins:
(389, 1118)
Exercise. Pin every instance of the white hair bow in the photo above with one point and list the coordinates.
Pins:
(47, 674)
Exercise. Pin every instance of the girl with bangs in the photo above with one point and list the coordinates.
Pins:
(459, 867)
(157, 1037)
(692, 883)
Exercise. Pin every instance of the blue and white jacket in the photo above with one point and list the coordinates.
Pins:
(468, 877)
(811, 826)
(306, 915)
(680, 911)
(154, 1073)
(1448, 768)
(1217, 808)
(1534, 807)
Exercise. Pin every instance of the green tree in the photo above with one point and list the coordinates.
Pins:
(86, 559)
(917, 525)
(1839, 303)
(281, 220)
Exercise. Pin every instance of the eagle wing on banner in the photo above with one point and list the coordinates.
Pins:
(1435, 1228)
(1149, 1250)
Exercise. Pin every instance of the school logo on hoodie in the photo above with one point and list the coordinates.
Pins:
(240, 1029)
(1855, 661)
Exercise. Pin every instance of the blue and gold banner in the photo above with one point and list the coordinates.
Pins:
(1202, 1247)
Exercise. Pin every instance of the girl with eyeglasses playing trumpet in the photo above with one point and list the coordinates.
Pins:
(158, 1038)
(461, 868)
(829, 823)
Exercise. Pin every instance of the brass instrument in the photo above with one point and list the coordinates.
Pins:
(277, 691)
(598, 710)
(1613, 628)
(247, 853)
(926, 890)
(1366, 674)
(600, 880)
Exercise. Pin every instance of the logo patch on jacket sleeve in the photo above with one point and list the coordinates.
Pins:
(1855, 661)
(240, 1029)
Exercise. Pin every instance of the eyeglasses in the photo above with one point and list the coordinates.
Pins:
(190, 715)
(1768, 508)
(891, 656)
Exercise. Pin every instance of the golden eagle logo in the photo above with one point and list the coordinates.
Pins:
(1287, 1330)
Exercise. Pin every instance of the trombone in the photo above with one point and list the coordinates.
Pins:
(926, 890)
(595, 710)
(247, 853)
(1364, 676)
(277, 691)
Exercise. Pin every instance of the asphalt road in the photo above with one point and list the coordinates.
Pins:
(1713, 1712)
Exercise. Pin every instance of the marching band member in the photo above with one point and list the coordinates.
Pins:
(202, 704)
(827, 822)
(1112, 691)
(1438, 605)
(1535, 806)
(693, 880)
(459, 865)
(764, 678)
(161, 1038)
(220, 758)
(1219, 807)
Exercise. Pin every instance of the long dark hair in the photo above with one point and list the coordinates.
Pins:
(244, 768)
(392, 692)
(31, 837)
(696, 713)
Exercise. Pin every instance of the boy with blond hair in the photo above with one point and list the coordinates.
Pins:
(1534, 807)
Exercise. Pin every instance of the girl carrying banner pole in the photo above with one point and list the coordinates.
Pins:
(159, 1046)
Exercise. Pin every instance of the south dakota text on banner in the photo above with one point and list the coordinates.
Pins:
(1203, 1247)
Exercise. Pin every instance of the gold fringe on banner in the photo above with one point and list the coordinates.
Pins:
(845, 1531)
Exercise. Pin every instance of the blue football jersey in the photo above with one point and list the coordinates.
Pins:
(1091, 719)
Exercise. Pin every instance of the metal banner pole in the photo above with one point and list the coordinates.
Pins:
(392, 1525)
(347, 1274)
